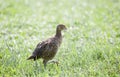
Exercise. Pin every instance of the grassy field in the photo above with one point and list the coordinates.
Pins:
(91, 44)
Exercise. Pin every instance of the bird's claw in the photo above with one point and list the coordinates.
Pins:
(55, 62)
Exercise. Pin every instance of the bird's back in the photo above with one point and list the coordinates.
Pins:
(47, 49)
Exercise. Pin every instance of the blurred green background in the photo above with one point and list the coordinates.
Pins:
(91, 44)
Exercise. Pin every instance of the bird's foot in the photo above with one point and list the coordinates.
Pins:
(54, 61)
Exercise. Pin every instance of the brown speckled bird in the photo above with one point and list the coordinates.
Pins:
(47, 49)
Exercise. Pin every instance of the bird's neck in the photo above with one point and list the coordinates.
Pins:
(58, 33)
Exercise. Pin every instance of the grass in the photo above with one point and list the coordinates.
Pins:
(90, 48)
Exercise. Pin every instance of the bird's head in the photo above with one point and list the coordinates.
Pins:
(61, 27)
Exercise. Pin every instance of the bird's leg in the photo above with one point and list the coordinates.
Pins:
(35, 64)
(45, 63)
(54, 61)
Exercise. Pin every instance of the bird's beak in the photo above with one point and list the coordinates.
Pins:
(65, 28)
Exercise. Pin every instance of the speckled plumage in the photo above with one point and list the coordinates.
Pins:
(47, 49)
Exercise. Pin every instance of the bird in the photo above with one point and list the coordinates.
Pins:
(48, 48)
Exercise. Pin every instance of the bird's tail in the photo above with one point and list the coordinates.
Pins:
(31, 57)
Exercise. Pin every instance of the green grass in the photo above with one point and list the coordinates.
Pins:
(91, 44)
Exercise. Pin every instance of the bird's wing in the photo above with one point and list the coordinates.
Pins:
(40, 48)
